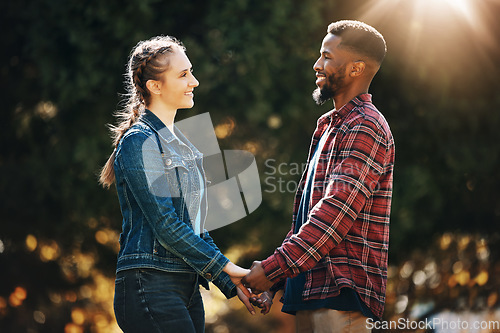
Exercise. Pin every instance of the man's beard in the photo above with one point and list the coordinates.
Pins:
(320, 96)
(330, 88)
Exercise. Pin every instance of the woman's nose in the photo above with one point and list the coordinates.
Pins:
(194, 82)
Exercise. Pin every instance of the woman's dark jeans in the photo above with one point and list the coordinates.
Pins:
(149, 300)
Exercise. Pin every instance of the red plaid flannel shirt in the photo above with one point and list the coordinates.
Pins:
(345, 240)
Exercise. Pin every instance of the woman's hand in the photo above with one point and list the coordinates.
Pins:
(264, 301)
(236, 273)
(245, 300)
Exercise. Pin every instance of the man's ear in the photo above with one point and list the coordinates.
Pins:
(153, 86)
(358, 68)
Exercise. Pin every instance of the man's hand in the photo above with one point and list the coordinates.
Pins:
(256, 279)
(264, 301)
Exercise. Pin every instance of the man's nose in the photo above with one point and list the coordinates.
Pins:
(318, 65)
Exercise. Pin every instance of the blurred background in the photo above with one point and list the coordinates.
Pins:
(61, 75)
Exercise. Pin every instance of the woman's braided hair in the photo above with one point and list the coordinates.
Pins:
(147, 61)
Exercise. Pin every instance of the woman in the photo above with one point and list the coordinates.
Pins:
(160, 183)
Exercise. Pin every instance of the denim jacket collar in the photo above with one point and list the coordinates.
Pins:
(157, 125)
(150, 119)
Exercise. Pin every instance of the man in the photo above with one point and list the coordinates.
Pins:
(334, 259)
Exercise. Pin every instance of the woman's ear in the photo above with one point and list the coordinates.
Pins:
(153, 86)
(358, 67)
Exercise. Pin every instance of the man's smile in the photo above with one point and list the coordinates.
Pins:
(320, 77)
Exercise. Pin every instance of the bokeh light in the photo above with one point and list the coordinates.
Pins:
(31, 243)
(49, 251)
(17, 297)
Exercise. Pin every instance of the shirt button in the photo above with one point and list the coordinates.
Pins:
(208, 276)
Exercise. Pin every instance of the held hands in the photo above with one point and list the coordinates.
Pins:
(236, 273)
(264, 301)
(256, 279)
(260, 284)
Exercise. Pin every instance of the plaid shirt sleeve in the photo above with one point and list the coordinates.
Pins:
(362, 151)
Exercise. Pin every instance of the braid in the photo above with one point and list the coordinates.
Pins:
(147, 61)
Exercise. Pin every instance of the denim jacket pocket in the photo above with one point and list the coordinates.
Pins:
(178, 179)
(177, 174)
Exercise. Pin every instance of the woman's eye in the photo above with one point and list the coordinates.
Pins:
(184, 74)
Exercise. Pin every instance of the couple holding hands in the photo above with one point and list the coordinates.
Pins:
(332, 264)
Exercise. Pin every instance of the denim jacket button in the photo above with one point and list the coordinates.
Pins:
(208, 276)
(168, 162)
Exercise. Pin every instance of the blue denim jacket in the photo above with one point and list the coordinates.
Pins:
(158, 187)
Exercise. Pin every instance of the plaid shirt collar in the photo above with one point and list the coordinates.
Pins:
(344, 110)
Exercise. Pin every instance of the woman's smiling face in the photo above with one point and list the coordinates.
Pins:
(178, 83)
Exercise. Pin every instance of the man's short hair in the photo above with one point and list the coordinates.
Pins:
(360, 38)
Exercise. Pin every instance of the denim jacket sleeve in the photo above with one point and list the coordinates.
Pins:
(223, 281)
(141, 164)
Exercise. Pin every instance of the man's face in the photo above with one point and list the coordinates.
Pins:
(330, 70)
